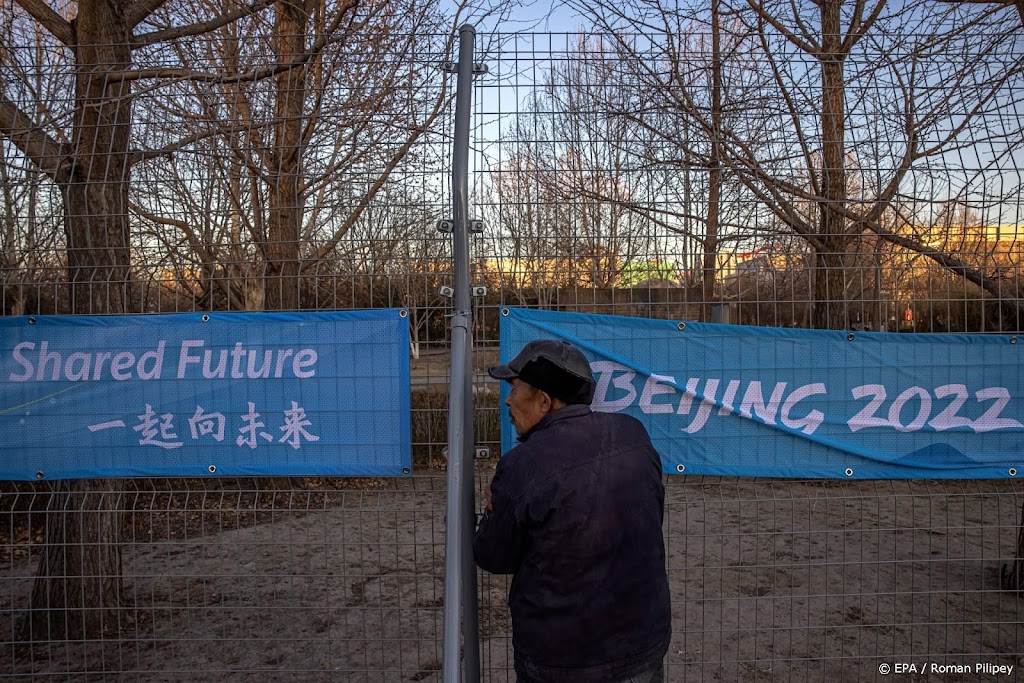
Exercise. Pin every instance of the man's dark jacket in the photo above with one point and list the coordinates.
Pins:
(577, 513)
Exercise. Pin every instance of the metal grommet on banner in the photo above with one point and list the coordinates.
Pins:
(406, 470)
(212, 469)
(1013, 471)
(504, 311)
(206, 318)
(404, 313)
(40, 475)
(32, 320)
(850, 337)
(849, 471)
(1013, 340)
(680, 468)
(681, 326)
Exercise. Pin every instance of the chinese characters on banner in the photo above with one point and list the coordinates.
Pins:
(159, 430)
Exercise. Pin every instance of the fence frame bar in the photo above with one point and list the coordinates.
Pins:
(460, 600)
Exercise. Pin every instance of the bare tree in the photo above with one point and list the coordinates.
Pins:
(526, 214)
(563, 196)
(681, 183)
(833, 141)
(87, 155)
(400, 253)
(362, 106)
(113, 56)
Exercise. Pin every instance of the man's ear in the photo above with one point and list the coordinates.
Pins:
(547, 403)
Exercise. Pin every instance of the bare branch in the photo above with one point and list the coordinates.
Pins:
(208, 259)
(139, 156)
(859, 28)
(1019, 4)
(183, 226)
(653, 213)
(138, 10)
(325, 250)
(50, 20)
(199, 28)
(172, 75)
(43, 150)
(793, 109)
(951, 263)
(804, 43)
(328, 38)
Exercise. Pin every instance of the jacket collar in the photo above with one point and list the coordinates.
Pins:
(574, 410)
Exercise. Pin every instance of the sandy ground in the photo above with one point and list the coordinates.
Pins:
(771, 580)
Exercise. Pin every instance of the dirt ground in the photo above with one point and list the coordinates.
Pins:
(771, 580)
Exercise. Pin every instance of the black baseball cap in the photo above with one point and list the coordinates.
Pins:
(555, 367)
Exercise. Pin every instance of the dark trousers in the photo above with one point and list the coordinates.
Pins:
(655, 675)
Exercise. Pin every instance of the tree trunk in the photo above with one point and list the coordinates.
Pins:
(829, 278)
(829, 309)
(96, 191)
(78, 588)
(286, 196)
(78, 585)
(715, 165)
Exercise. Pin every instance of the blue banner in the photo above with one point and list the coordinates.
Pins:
(184, 395)
(756, 401)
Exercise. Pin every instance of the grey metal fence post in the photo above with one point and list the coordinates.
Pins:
(460, 604)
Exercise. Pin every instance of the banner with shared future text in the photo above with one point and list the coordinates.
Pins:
(756, 401)
(192, 394)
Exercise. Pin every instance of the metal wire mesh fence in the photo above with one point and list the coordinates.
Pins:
(237, 578)
(775, 580)
(668, 164)
(812, 580)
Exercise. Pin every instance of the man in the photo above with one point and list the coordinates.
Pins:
(574, 512)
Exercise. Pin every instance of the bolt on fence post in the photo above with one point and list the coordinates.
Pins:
(460, 600)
